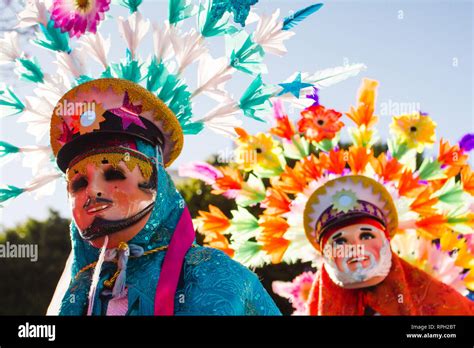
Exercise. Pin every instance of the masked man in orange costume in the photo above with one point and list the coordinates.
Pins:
(350, 220)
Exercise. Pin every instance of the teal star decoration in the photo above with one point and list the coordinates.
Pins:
(294, 87)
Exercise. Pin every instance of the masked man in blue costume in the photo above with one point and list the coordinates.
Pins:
(133, 242)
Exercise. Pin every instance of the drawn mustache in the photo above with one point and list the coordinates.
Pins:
(101, 227)
(91, 201)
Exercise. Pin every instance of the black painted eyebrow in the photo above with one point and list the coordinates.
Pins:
(366, 229)
(337, 235)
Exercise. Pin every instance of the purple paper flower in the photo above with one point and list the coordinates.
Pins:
(467, 142)
(78, 16)
(314, 96)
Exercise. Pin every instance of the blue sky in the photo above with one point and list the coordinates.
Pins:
(421, 52)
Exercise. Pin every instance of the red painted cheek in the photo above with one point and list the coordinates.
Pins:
(373, 246)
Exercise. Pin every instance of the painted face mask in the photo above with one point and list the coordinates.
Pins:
(357, 255)
(111, 192)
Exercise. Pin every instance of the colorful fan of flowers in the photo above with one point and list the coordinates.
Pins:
(275, 173)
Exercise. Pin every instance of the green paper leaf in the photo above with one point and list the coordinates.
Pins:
(132, 5)
(193, 128)
(247, 252)
(180, 10)
(9, 192)
(157, 75)
(244, 224)
(252, 192)
(326, 145)
(397, 148)
(245, 55)
(128, 70)
(10, 102)
(174, 93)
(297, 149)
(7, 149)
(52, 38)
(29, 70)
(107, 73)
(430, 170)
(83, 78)
(451, 193)
(210, 26)
(255, 101)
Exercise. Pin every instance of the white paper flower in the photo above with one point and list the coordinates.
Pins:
(162, 41)
(188, 48)
(34, 13)
(133, 30)
(9, 48)
(212, 76)
(96, 46)
(70, 64)
(270, 36)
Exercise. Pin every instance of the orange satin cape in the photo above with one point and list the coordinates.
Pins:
(406, 290)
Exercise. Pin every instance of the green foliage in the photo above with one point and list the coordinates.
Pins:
(52, 38)
(27, 287)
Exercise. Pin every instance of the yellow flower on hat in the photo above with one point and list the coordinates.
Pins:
(258, 152)
(416, 130)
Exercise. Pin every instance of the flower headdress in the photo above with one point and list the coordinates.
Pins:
(73, 31)
(275, 173)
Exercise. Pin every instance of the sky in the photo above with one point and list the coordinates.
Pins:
(421, 52)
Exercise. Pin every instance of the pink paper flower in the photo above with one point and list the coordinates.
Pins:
(296, 291)
(78, 16)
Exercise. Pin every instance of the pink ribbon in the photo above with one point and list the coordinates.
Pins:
(183, 238)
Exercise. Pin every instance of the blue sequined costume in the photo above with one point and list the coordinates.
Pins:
(211, 283)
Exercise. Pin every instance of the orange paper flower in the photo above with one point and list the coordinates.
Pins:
(387, 169)
(319, 123)
(408, 184)
(212, 225)
(336, 160)
(218, 241)
(467, 179)
(231, 180)
(434, 225)
(359, 157)
(213, 221)
(271, 237)
(364, 114)
(292, 180)
(423, 203)
(276, 202)
(313, 167)
(451, 156)
(284, 128)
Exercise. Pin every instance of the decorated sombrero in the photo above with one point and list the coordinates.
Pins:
(104, 108)
(346, 198)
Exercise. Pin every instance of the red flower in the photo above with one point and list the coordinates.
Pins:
(318, 123)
